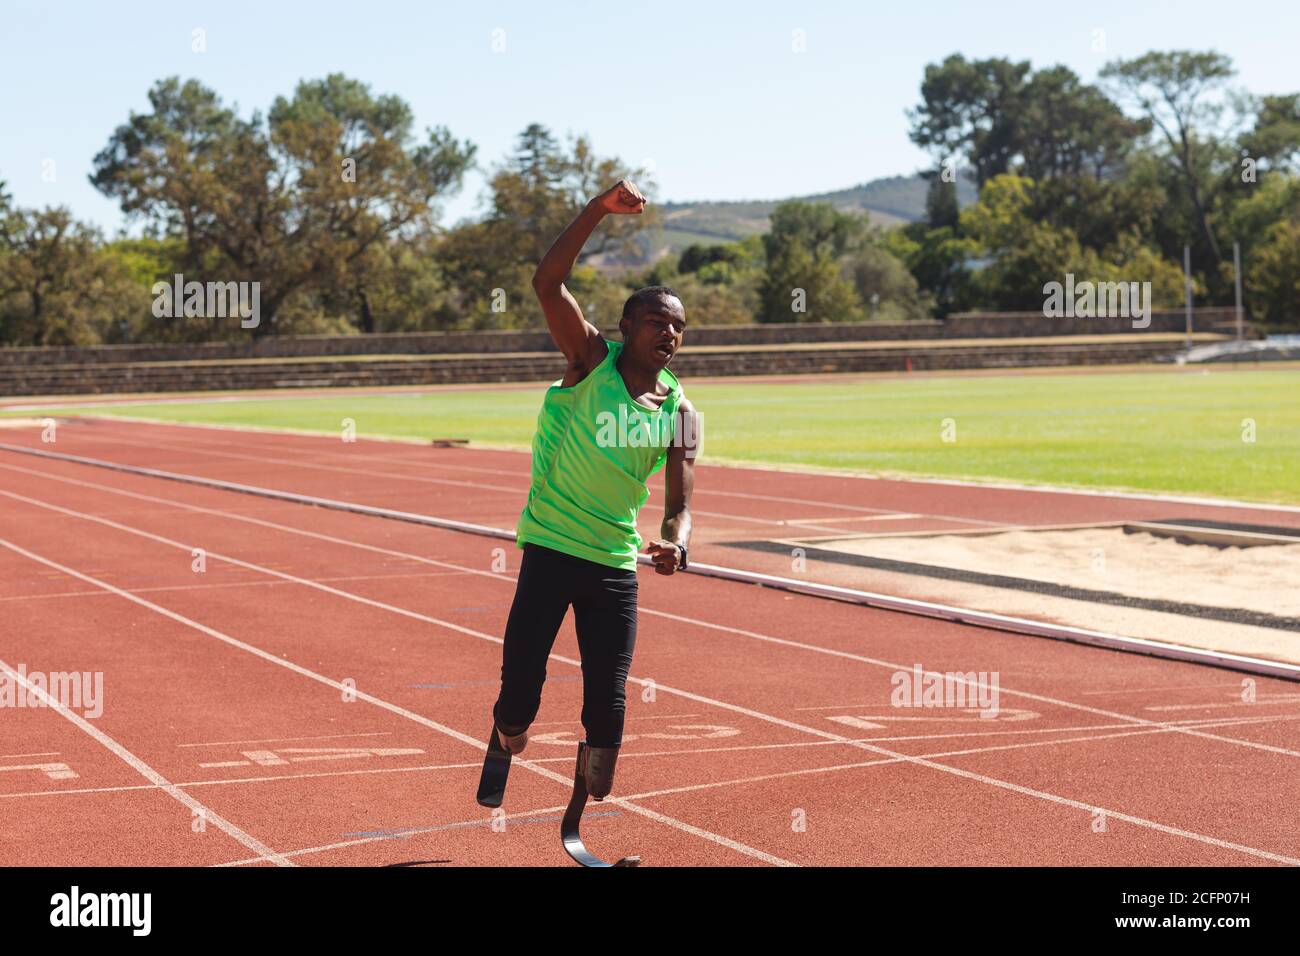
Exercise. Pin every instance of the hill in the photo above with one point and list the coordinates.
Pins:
(889, 202)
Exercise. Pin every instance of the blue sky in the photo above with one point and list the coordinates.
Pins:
(711, 93)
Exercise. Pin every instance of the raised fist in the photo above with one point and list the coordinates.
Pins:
(622, 198)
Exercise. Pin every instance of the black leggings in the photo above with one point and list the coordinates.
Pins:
(604, 613)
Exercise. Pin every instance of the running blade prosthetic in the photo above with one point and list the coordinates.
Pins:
(496, 770)
(573, 844)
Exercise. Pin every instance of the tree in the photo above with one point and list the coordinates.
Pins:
(1274, 277)
(972, 107)
(1071, 129)
(1275, 139)
(533, 195)
(938, 260)
(57, 286)
(293, 203)
(804, 250)
(1024, 253)
(941, 206)
(887, 290)
(1175, 92)
(1003, 118)
(696, 256)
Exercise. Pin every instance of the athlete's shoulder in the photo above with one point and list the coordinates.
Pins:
(671, 380)
(602, 353)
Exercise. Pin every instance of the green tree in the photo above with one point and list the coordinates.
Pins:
(1176, 92)
(972, 107)
(1274, 140)
(887, 290)
(1001, 118)
(1068, 128)
(939, 261)
(941, 206)
(1024, 253)
(533, 194)
(1274, 278)
(293, 203)
(696, 256)
(57, 286)
(805, 249)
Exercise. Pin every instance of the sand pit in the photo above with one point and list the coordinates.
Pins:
(1140, 565)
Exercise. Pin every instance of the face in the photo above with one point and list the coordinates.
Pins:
(655, 334)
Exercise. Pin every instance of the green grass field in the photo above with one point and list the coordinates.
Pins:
(1147, 431)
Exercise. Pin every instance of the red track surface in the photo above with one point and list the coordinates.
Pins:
(767, 735)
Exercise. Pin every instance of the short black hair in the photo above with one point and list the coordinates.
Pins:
(650, 295)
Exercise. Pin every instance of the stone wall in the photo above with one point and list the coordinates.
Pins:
(100, 378)
(962, 325)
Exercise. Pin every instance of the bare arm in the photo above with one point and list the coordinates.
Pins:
(579, 340)
(679, 479)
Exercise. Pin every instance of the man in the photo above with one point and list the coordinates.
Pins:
(615, 418)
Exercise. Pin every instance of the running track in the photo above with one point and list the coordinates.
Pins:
(320, 693)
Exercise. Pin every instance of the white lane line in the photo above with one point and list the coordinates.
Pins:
(633, 755)
(970, 616)
(281, 740)
(112, 746)
(699, 698)
(786, 774)
(740, 632)
(353, 470)
(206, 442)
(408, 832)
(571, 723)
(848, 474)
(883, 514)
(358, 694)
(48, 753)
(298, 463)
(895, 667)
(900, 516)
(240, 781)
(228, 584)
(1148, 690)
(1258, 702)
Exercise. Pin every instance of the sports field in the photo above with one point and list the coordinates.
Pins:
(1223, 433)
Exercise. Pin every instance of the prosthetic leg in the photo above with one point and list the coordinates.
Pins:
(594, 774)
(502, 745)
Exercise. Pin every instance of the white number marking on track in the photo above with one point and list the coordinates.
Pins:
(959, 715)
(55, 771)
(287, 755)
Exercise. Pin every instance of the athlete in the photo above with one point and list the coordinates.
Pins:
(615, 418)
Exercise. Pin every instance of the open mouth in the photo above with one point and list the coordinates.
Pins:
(665, 349)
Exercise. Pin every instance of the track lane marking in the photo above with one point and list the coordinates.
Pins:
(699, 698)
(803, 771)
(359, 694)
(501, 576)
(264, 852)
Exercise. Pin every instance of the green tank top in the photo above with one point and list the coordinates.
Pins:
(594, 449)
